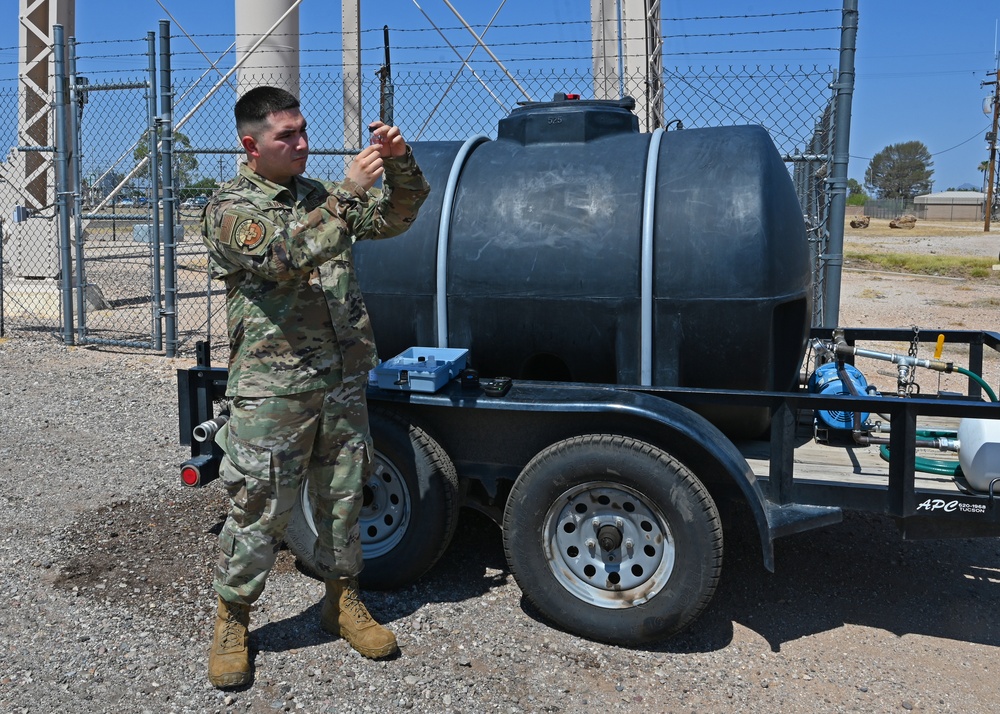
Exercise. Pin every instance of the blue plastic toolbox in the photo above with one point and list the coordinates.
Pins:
(421, 369)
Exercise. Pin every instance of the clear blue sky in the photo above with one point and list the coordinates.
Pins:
(920, 64)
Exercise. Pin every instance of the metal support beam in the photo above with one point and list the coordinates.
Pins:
(35, 40)
(654, 66)
(351, 54)
(627, 48)
(267, 44)
(605, 41)
(30, 172)
(169, 195)
(834, 258)
(61, 108)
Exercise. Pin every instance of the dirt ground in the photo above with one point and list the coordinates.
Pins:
(876, 298)
(105, 565)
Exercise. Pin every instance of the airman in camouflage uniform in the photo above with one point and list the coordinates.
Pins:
(301, 347)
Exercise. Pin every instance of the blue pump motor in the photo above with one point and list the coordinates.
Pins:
(826, 380)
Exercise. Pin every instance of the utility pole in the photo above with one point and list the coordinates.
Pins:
(991, 137)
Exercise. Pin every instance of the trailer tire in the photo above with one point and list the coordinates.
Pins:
(410, 506)
(613, 539)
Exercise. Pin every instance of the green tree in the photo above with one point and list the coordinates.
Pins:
(856, 195)
(184, 165)
(900, 171)
(206, 186)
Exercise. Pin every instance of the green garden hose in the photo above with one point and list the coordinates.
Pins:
(943, 467)
(982, 382)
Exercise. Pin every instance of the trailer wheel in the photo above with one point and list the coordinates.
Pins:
(613, 539)
(410, 506)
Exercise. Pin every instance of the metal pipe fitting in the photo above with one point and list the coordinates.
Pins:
(208, 429)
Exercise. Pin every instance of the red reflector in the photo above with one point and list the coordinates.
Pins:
(190, 476)
(572, 96)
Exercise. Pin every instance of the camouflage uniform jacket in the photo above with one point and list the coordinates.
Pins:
(296, 318)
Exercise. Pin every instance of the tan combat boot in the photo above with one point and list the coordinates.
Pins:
(229, 660)
(344, 614)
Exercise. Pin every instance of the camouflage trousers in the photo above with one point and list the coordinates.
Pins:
(272, 444)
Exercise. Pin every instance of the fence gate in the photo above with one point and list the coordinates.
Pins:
(118, 213)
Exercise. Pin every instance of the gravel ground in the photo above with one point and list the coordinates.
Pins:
(105, 580)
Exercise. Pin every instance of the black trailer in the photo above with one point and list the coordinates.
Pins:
(611, 497)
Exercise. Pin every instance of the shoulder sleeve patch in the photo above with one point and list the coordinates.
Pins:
(244, 231)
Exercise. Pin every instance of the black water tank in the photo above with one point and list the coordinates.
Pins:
(561, 262)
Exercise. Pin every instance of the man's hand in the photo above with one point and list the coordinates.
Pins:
(366, 167)
(388, 139)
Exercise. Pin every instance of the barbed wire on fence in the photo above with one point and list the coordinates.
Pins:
(785, 100)
(436, 98)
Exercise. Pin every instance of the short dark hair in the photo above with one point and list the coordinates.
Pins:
(253, 108)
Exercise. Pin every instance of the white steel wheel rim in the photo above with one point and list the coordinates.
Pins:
(385, 509)
(579, 529)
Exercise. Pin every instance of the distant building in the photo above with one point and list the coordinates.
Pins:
(950, 206)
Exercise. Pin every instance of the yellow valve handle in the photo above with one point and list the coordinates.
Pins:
(939, 347)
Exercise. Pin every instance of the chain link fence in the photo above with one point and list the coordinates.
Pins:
(889, 208)
(792, 103)
(122, 269)
(120, 261)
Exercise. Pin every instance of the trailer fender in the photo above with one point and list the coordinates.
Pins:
(673, 427)
(678, 430)
(698, 443)
(710, 448)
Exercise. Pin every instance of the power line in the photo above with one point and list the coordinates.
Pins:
(757, 16)
(936, 153)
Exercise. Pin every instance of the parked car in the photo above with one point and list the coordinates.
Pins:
(195, 202)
